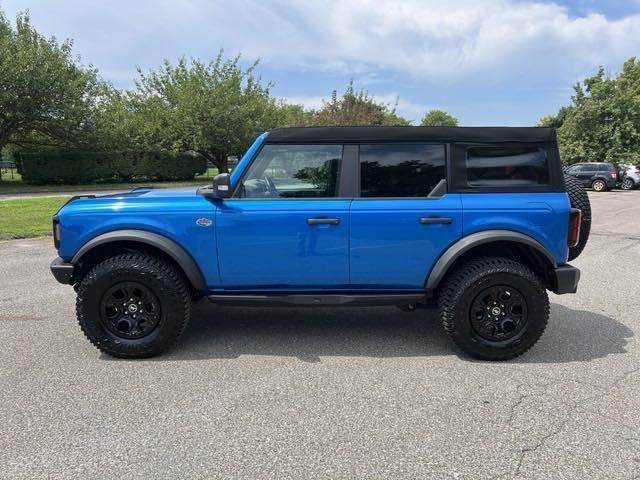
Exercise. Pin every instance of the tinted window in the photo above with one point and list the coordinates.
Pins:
(400, 170)
(506, 166)
(293, 171)
(574, 168)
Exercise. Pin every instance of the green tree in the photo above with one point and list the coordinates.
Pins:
(355, 108)
(602, 123)
(438, 118)
(214, 109)
(46, 96)
(293, 115)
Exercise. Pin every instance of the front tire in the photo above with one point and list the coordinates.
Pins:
(494, 308)
(133, 305)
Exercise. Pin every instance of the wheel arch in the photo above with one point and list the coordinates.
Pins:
(515, 245)
(107, 244)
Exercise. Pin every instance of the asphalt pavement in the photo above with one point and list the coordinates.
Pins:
(331, 394)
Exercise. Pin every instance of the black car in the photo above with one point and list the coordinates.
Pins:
(598, 175)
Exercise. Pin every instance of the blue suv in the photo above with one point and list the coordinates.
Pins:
(477, 222)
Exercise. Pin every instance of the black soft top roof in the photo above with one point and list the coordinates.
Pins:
(412, 134)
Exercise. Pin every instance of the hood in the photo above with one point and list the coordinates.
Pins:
(141, 199)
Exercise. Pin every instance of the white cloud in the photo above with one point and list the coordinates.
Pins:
(509, 56)
(434, 39)
(310, 102)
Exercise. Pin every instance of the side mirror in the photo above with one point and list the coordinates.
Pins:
(222, 185)
(220, 189)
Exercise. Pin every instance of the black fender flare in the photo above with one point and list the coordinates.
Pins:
(465, 244)
(166, 245)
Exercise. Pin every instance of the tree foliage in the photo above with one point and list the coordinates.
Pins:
(46, 96)
(52, 104)
(438, 118)
(211, 108)
(602, 123)
(355, 108)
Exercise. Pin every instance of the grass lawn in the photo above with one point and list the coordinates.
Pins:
(28, 218)
(15, 185)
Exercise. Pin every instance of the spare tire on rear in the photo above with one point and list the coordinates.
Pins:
(579, 199)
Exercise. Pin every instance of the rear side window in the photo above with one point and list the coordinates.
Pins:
(400, 170)
(507, 167)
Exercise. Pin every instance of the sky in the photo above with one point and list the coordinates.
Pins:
(487, 62)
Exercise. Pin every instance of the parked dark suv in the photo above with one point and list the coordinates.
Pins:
(597, 175)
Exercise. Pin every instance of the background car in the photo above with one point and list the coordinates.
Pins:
(631, 178)
(598, 175)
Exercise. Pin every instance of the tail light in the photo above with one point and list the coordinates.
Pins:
(613, 173)
(575, 219)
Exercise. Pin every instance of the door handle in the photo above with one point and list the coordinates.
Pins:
(323, 221)
(433, 220)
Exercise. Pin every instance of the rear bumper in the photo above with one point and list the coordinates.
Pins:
(62, 271)
(566, 279)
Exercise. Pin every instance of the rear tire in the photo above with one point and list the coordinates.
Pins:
(627, 184)
(578, 198)
(133, 305)
(598, 185)
(493, 308)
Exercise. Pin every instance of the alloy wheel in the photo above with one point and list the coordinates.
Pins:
(130, 310)
(498, 313)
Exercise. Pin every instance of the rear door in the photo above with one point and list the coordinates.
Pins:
(587, 174)
(398, 230)
(286, 227)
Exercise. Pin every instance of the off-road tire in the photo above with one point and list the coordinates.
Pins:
(579, 199)
(461, 289)
(161, 278)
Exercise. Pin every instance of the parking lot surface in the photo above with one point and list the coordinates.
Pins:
(353, 393)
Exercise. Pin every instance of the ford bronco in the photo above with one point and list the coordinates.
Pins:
(476, 222)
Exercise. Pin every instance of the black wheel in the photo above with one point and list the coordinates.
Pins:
(627, 184)
(598, 185)
(133, 305)
(579, 199)
(494, 308)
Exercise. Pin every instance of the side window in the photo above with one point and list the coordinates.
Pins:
(590, 168)
(506, 166)
(293, 171)
(574, 169)
(400, 170)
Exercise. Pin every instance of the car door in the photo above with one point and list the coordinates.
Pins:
(586, 174)
(573, 170)
(398, 231)
(285, 227)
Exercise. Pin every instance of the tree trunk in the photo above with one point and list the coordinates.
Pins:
(220, 161)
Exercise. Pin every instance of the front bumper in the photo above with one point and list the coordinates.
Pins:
(566, 279)
(62, 271)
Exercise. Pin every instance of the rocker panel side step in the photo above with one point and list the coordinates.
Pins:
(316, 300)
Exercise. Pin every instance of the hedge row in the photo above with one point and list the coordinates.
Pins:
(97, 167)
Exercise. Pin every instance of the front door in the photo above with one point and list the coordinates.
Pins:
(397, 230)
(285, 227)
